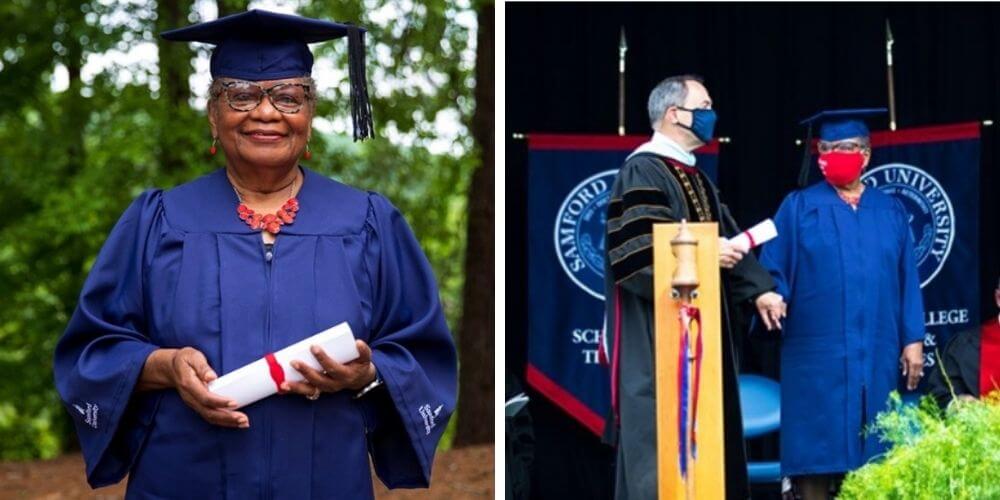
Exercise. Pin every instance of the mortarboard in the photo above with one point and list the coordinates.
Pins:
(261, 45)
(835, 125)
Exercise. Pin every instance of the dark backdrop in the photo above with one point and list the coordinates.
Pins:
(767, 66)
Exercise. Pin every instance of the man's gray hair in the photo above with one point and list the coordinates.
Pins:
(670, 92)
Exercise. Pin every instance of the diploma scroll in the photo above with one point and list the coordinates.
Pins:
(755, 236)
(260, 379)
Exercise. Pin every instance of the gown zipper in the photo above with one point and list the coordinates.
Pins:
(268, 264)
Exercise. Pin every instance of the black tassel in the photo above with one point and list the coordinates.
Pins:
(361, 108)
(806, 156)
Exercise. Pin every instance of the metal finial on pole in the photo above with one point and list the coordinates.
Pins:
(892, 86)
(622, 48)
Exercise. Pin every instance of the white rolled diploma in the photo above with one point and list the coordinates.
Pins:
(251, 383)
(755, 236)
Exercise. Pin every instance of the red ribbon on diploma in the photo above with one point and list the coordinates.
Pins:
(750, 237)
(277, 372)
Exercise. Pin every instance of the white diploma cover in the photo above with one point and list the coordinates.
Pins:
(755, 236)
(260, 379)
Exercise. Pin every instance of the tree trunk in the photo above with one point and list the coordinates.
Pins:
(476, 333)
(175, 69)
(74, 105)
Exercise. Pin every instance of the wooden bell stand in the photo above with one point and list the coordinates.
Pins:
(686, 271)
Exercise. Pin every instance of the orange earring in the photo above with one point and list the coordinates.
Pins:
(308, 154)
(212, 149)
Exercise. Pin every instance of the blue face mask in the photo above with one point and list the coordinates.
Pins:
(702, 123)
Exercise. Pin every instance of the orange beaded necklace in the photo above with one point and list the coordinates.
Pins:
(269, 222)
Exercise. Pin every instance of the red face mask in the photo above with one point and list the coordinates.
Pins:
(839, 168)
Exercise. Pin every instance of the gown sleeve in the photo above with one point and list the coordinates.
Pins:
(101, 354)
(412, 349)
(912, 322)
(641, 198)
(778, 255)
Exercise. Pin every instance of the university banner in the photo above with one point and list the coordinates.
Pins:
(569, 181)
(934, 173)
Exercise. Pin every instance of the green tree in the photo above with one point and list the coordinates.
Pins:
(56, 204)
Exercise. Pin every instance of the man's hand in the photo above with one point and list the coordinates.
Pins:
(912, 361)
(772, 309)
(729, 254)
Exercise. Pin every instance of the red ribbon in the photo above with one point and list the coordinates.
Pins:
(615, 357)
(694, 317)
(750, 237)
(277, 372)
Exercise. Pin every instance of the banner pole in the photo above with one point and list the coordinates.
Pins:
(622, 48)
(888, 70)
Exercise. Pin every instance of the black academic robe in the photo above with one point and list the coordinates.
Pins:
(960, 359)
(648, 191)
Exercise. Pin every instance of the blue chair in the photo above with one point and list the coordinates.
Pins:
(760, 399)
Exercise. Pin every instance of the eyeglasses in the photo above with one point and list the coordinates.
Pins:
(840, 147)
(287, 98)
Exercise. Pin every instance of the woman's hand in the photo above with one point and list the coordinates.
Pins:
(912, 361)
(190, 374)
(772, 309)
(335, 376)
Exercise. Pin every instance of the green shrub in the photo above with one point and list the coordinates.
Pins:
(935, 454)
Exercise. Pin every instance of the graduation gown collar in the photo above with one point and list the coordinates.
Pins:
(208, 204)
(822, 193)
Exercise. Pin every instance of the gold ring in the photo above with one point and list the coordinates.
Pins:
(314, 396)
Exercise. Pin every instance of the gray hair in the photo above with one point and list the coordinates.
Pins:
(670, 92)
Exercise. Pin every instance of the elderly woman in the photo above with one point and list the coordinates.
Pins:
(844, 261)
(202, 279)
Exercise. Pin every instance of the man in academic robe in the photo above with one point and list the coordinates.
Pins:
(659, 183)
(844, 261)
(969, 367)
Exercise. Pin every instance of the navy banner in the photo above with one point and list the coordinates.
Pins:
(934, 172)
(569, 181)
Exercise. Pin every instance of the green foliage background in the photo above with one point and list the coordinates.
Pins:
(71, 161)
(934, 455)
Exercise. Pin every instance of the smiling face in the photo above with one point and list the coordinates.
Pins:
(262, 137)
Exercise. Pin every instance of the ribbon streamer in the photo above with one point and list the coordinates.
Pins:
(688, 398)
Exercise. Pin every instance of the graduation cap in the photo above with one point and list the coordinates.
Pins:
(835, 125)
(261, 45)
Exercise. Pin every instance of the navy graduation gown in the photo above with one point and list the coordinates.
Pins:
(180, 269)
(853, 295)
